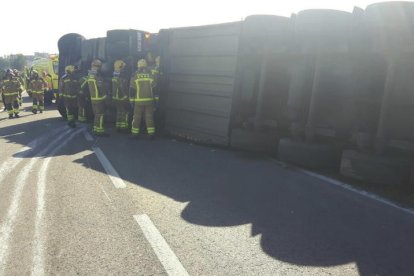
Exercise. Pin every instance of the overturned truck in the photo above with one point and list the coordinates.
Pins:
(323, 89)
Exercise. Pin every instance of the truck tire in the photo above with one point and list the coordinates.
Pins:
(384, 171)
(118, 35)
(313, 156)
(70, 45)
(117, 50)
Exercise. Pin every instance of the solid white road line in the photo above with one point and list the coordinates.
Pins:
(39, 235)
(168, 259)
(8, 165)
(112, 173)
(7, 228)
(348, 187)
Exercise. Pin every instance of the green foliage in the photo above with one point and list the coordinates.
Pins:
(4, 63)
(15, 62)
(18, 62)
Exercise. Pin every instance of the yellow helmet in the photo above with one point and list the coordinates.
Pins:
(96, 64)
(157, 60)
(69, 69)
(119, 65)
(142, 63)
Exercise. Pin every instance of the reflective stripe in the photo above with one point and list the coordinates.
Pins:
(11, 93)
(83, 84)
(135, 130)
(69, 96)
(151, 130)
(99, 130)
(115, 85)
(142, 100)
(142, 78)
(92, 81)
(97, 99)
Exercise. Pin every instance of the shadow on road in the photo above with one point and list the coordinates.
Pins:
(37, 135)
(301, 220)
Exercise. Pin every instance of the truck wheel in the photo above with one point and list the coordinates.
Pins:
(313, 156)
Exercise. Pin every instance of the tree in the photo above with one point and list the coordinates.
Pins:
(4, 64)
(18, 62)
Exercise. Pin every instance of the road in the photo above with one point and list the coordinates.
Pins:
(72, 204)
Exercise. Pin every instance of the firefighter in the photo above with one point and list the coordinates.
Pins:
(69, 89)
(156, 74)
(37, 85)
(20, 79)
(83, 97)
(120, 95)
(11, 88)
(141, 95)
(98, 90)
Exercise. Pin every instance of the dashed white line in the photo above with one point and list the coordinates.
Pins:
(111, 172)
(168, 259)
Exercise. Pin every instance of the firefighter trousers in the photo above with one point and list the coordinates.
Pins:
(122, 108)
(98, 107)
(82, 108)
(12, 103)
(146, 110)
(38, 100)
(71, 106)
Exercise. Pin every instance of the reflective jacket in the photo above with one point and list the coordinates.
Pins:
(140, 89)
(11, 87)
(37, 85)
(119, 87)
(98, 88)
(69, 87)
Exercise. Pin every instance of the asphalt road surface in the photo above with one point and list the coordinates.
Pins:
(72, 204)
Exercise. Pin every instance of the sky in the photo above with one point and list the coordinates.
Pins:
(35, 26)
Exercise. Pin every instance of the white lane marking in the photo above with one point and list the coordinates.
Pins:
(8, 225)
(39, 235)
(168, 259)
(11, 135)
(348, 187)
(88, 137)
(8, 165)
(110, 170)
